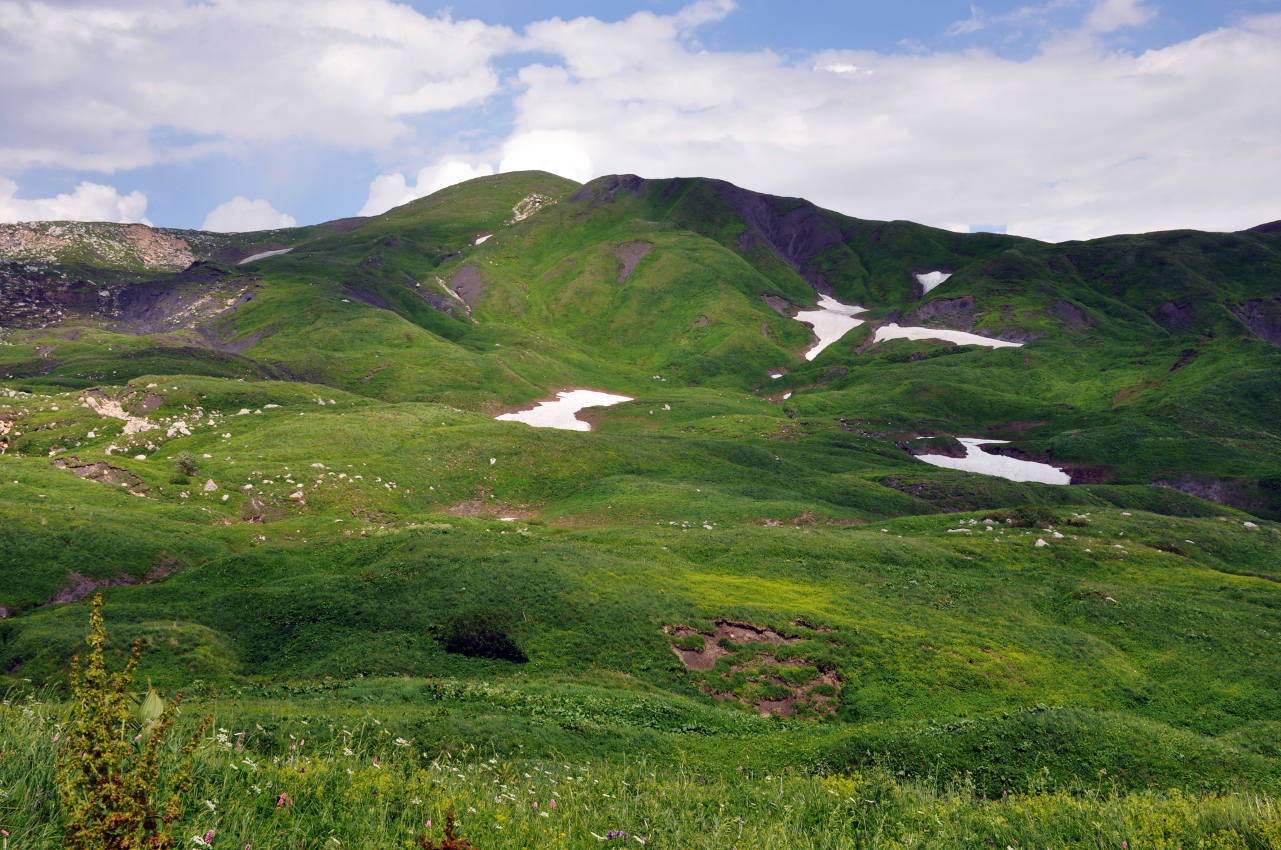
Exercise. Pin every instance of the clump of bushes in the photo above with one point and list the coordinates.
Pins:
(185, 466)
(482, 633)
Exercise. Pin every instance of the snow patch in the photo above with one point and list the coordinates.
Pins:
(929, 280)
(984, 463)
(561, 412)
(479, 240)
(263, 255)
(893, 331)
(831, 321)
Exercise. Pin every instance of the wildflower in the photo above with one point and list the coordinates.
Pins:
(209, 837)
(552, 805)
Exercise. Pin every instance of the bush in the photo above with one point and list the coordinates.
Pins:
(186, 464)
(482, 633)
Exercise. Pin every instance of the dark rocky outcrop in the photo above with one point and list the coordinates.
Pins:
(795, 230)
(603, 190)
(630, 254)
(1263, 318)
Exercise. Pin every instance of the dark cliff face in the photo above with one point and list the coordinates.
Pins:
(36, 295)
(794, 230)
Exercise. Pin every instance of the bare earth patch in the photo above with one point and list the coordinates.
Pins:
(104, 473)
(756, 678)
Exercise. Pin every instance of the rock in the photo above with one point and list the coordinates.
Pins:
(210, 486)
(1039, 543)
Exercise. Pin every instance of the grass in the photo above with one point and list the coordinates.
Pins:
(354, 779)
(368, 516)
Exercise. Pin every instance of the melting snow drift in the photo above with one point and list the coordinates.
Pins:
(830, 322)
(560, 413)
(263, 255)
(977, 460)
(893, 331)
(929, 280)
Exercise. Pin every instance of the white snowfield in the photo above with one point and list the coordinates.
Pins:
(480, 240)
(831, 321)
(561, 412)
(929, 280)
(893, 331)
(977, 460)
(263, 255)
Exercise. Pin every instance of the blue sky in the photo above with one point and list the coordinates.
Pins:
(1056, 119)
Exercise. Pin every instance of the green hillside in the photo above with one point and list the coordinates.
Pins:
(736, 590)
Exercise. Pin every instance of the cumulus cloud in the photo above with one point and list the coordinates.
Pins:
(392, 190)
(1076, 141)
(1110, 15)
(102, 85)
(240, 215)
(89, 202)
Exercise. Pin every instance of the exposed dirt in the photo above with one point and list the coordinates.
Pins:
(468, 285)
(947, 446)
(760, 666)
(1079, 473)
(779, 305)
(1186, 356)
(955, 312)
(700, 322)
(344, 225)
(603, 190)
(366, 297)
(1262, 317)
(1179, 316)
(629, 254)
(696, 659)
(80, 586)
(104, 473)
(1074, 319)
(1240, 493)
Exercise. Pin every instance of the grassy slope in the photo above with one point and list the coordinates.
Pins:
(1144, 631)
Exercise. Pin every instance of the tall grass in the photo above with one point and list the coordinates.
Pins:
(365, 786)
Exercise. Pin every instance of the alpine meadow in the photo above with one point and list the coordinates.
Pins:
(750, 589)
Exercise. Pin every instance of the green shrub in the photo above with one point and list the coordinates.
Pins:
(186, 463)
(482, 633)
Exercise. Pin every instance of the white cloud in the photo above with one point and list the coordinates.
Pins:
(558, 151)
(240, 215)
(1110, 15)
(89, 202)
(392, 190)
(1077, 140)
(102, 85)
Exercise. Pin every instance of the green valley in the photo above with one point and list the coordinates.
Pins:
(739, 611)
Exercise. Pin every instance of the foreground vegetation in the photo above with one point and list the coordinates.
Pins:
(362, 783)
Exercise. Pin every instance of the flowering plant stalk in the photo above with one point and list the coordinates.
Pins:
(108, 778)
